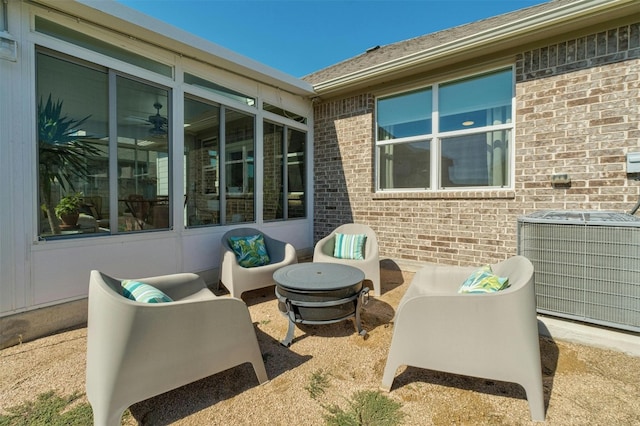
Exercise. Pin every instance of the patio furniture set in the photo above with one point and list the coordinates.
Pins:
(137, 347)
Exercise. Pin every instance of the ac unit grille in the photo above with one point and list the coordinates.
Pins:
(588, 272)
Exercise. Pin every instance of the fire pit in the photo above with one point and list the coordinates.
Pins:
(319, 293)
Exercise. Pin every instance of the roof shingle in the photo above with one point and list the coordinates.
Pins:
(394, 51)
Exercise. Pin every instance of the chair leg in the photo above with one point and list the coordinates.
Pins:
(261, 372)
(389, 374)
(102, 417)
(535, 397)
(377, 291)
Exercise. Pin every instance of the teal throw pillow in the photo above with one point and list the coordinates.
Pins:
(349, 246)
(141, 292)
(484, 281)
(250, 251)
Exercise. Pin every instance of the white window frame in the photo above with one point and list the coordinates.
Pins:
(436, 137)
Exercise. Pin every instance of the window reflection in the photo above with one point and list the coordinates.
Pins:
(202, 156)
(476, 102)
(281, 177)
(296, 174)
(404, 165)
(408, 114)
(273, 173)
(143, 156)
(72, 146)
(476, 160)
(239, 166)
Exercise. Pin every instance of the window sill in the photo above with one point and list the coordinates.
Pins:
(446, 194)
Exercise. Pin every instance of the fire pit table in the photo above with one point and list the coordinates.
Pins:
(319, 293)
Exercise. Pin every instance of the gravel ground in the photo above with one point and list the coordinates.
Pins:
(583, 385)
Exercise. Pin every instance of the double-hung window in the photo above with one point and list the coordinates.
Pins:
(455, 134)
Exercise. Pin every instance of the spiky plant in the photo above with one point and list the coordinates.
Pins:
(61, 155)
(366, 408)
(318, 383)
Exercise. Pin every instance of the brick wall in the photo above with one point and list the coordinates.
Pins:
(577, 113)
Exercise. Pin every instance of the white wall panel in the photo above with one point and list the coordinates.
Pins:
(63, 273)
(35, 274)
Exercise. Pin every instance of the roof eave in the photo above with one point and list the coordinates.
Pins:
(114, 15)
(528, 29)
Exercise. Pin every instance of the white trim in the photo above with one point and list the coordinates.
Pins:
(94, 57)
(113, 15)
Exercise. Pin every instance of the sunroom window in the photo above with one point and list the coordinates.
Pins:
(284, 181)
(103, 150)
(451, 135)
(219, 164)
(4, 21)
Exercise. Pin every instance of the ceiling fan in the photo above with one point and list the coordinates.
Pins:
(158, 122)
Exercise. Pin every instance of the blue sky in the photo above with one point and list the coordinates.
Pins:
(303, 36)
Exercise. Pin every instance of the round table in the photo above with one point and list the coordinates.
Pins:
(319, 293)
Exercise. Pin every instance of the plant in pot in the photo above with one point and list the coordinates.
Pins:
(62, 156)
(68, 210)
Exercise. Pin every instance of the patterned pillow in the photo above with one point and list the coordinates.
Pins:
(484, 281)
(141, 292)
(250, 251)
(349, 246)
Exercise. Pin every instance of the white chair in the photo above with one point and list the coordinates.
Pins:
(137, 350)
(238, 279)
(492, 335)
(323, 252)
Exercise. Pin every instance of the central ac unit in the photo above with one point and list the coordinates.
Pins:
(587, 265)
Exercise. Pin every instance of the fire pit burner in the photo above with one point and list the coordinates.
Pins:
(319, 293)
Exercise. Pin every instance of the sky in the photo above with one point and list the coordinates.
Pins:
(299, 37)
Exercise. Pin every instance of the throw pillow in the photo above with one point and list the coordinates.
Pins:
(250, 251)
(141, 292)
(484, 281)
(349, 246)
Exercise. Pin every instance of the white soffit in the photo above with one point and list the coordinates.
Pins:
(122, 19)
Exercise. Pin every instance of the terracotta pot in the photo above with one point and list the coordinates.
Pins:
(69, 221)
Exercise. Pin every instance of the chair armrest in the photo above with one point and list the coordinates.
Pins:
(485, 317)
(437, 280)
(216, 327)
(176, 286)
(325, 247)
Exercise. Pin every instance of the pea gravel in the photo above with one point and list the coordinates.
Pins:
(583, 385)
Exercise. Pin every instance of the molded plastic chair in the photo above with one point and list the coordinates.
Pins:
(238, 279)
(323, 252)
(493, 335)
(138, 350)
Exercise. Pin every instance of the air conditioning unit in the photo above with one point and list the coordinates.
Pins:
(587, 265)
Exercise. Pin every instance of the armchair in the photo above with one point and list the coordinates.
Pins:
(137, 350)
(492, 335)
(324, 249)
(238, 279)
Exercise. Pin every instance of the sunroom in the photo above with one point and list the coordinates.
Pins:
(161, 140)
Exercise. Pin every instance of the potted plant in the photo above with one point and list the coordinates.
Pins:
(62, 156)
(68, 210)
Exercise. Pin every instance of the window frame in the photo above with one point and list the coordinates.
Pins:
(112, 147)
(179, 91)
(435, 137)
